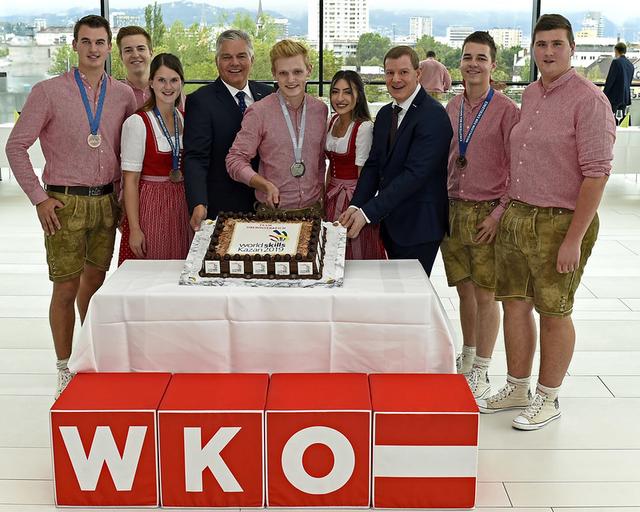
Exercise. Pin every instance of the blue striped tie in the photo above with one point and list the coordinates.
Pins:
(241, 103)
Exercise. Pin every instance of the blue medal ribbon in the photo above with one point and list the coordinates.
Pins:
(175, 144)
(94, 122)
(463, 142)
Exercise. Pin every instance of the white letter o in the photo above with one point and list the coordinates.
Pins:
(344, 460)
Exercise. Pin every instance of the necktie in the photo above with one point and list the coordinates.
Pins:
(394, 124)
(241, 103)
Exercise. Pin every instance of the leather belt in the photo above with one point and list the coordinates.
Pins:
(100, 190)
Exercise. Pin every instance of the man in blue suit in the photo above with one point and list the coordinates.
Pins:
(403, 184)
(213, 115)
(617, 87)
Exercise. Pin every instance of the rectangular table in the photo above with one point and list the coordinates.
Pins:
(626, 151)
(386, 318)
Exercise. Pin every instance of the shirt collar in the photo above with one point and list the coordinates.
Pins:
(407, 103)
(560, 81)
(133, 86)
(478, 101)
(233, 91)
(84, 77)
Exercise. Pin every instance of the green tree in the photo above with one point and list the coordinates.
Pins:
(372, 48)
(63, 60)
(523, 71)
(117, 67)
(505, 60)
(154, 24)
(448, 55)
(351, 61)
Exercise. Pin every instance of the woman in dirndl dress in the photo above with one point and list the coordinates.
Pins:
(349, 136)
(156, 226)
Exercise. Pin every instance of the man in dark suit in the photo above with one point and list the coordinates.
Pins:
(617, 87)
(212, 120)
(403, 184)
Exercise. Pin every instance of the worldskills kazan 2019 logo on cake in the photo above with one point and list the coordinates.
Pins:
(264, 238)
(278, 236)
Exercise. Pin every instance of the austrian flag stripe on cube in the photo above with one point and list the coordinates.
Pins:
(425, 459)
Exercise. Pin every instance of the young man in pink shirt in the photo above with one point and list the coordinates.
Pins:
(478, 174)
(78, 117)
(287, 130)
(561, 152)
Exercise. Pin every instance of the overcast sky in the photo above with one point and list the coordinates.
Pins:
(618, 15)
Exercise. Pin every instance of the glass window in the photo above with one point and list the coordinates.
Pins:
(34, 45)
(361, 31)
(189, 30)
(597, 27)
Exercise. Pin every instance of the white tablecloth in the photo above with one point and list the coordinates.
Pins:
(386, 318)
(626, 152)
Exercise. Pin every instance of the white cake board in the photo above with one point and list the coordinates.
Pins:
(332, 273)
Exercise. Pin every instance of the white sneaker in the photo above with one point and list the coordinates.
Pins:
(478, 380)
(64, 377)
(541, 411)
(511, 396)
(464, 363)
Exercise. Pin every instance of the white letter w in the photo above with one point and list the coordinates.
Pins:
(104, 450)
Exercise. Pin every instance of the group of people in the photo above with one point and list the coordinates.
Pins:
(508, 195)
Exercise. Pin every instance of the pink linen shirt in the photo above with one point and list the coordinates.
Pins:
(486, 176)
(142, 95)
(264, 132)
(434, 76)
(55, 114)
(566, 132)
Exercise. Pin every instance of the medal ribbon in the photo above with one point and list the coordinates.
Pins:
(94, 122)
(463, 142)
(297, 144)
(175, 144)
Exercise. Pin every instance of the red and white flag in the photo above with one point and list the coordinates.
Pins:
(425, 460)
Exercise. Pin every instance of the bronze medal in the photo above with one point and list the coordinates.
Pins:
(461, 162)
(175, 175)
(297, 169)
(94, 140)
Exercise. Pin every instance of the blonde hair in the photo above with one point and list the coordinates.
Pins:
(288, 48)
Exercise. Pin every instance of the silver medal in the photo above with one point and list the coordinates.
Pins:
(94, 140)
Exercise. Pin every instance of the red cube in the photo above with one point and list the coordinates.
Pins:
(425, 441)
(104, 439)
(212, 440)
(318, 429)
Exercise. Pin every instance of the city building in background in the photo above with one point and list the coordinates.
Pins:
(282, 28)
(344, 22)
(506, 37)
(592, 25)
(122, 19)
(420, 26)
(456, 34)
(39, 24)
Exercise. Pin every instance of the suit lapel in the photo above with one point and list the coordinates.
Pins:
(257, 95)
(225, 98)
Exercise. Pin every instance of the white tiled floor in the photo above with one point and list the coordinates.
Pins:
(589, 461)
